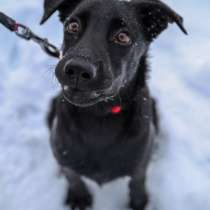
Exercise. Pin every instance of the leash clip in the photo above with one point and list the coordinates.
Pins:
(23, 32)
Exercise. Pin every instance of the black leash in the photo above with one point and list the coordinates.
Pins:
(25, 33)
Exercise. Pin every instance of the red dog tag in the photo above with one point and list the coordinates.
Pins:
(116, 109)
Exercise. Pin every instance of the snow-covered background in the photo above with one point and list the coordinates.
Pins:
(179, 177)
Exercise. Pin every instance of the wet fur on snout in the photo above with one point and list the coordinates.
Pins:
(87, 138)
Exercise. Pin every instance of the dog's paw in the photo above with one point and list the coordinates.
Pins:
(138, 204)
(79, 198)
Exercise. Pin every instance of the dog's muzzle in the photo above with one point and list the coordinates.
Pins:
(84, 82)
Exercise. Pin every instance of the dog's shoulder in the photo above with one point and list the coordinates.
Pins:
(52, 110)
(147, 107)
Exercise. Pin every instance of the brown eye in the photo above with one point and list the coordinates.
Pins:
(122, 38)
(73, 27)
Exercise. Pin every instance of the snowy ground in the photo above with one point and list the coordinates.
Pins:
(179, 177)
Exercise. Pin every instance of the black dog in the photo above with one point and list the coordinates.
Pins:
(102, 122)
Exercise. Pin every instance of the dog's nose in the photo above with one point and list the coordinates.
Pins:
(80, 71)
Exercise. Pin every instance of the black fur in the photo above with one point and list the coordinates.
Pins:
(96, 73)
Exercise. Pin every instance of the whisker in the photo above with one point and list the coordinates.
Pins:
(49, 75)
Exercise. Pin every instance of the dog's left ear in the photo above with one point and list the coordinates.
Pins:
(154, 16)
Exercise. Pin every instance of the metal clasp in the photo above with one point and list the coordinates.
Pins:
(23, 32)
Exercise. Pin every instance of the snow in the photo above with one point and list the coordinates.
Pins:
(179, 176)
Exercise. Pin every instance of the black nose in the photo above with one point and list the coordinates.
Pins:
(80, 71)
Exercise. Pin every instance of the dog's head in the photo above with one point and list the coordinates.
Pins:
(104, 41)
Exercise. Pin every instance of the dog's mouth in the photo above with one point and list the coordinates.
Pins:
(84, 99)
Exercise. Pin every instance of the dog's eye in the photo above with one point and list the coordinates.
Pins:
(122, 38)
(73, 27)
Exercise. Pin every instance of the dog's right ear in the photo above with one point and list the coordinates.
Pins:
(50, 6)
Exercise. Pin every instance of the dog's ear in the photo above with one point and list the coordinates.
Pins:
(155, 16)
(50, 6)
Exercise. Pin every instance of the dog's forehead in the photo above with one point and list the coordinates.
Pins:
(105, 9)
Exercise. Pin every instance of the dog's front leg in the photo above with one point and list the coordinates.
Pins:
(78, 196)
(138, 194)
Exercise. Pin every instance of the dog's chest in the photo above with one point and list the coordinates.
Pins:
(99, 149)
